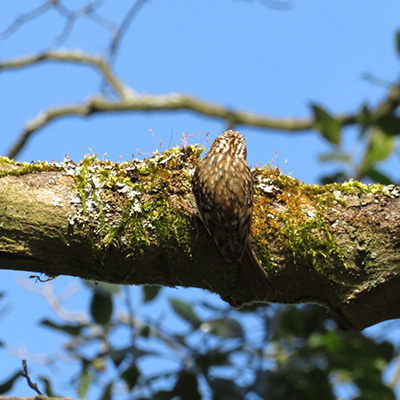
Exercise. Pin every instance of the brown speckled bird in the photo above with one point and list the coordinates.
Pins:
(223, 188)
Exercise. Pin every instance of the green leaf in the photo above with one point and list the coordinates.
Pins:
(150, 292)
(337, 177)
(335, 156)
(7, 385)
(101, 307)
(47, 387)
(227, 328)
(84, 382)
(398, 42)
(377, 176)
(107, 393)
(187, 386)
(185, 311)
(379, 148)
(73, 330)
(131, 376)
(328, 126)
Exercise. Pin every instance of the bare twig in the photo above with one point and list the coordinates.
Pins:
(74, 56)
(69, 15)
(19, 21)
(72, 16)
(28, 379)
(123, 27)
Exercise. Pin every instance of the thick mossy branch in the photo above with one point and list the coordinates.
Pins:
(135, 222)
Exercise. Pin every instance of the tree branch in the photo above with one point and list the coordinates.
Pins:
(130, 101)
(131, 223)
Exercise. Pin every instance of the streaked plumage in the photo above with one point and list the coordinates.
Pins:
(223, 189)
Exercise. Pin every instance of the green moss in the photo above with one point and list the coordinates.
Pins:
(14, 168)
(299, 229)
(136, 204)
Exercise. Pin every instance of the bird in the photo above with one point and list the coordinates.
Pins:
(222, 186)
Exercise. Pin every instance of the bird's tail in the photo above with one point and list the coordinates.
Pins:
(255, 274)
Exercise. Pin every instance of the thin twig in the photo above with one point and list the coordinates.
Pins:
(74, 56)
(28, 379)
(19, 21)
(123, 27)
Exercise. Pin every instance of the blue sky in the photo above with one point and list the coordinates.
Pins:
(236, 53)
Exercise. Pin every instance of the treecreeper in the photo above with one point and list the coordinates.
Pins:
(223, 189)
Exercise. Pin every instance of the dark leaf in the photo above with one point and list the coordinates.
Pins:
(73, 330)
(185, 310)
(225, 389)
(328, 126)
(7, 385)
(145, 331)
(150, 292)
(163, 395)
(47, 387)
(294, 382)
(131, 376)
(337, 177)
(389, 124)
(296, 322)
(377, 176)
(224, 327)
(371, 388)
(107, 393)
(118, 356)
(187, 386)
(205, 361)
(101, 307)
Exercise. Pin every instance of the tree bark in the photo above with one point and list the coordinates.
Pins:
(134, 223)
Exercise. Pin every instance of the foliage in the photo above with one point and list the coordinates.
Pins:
(209, 351)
